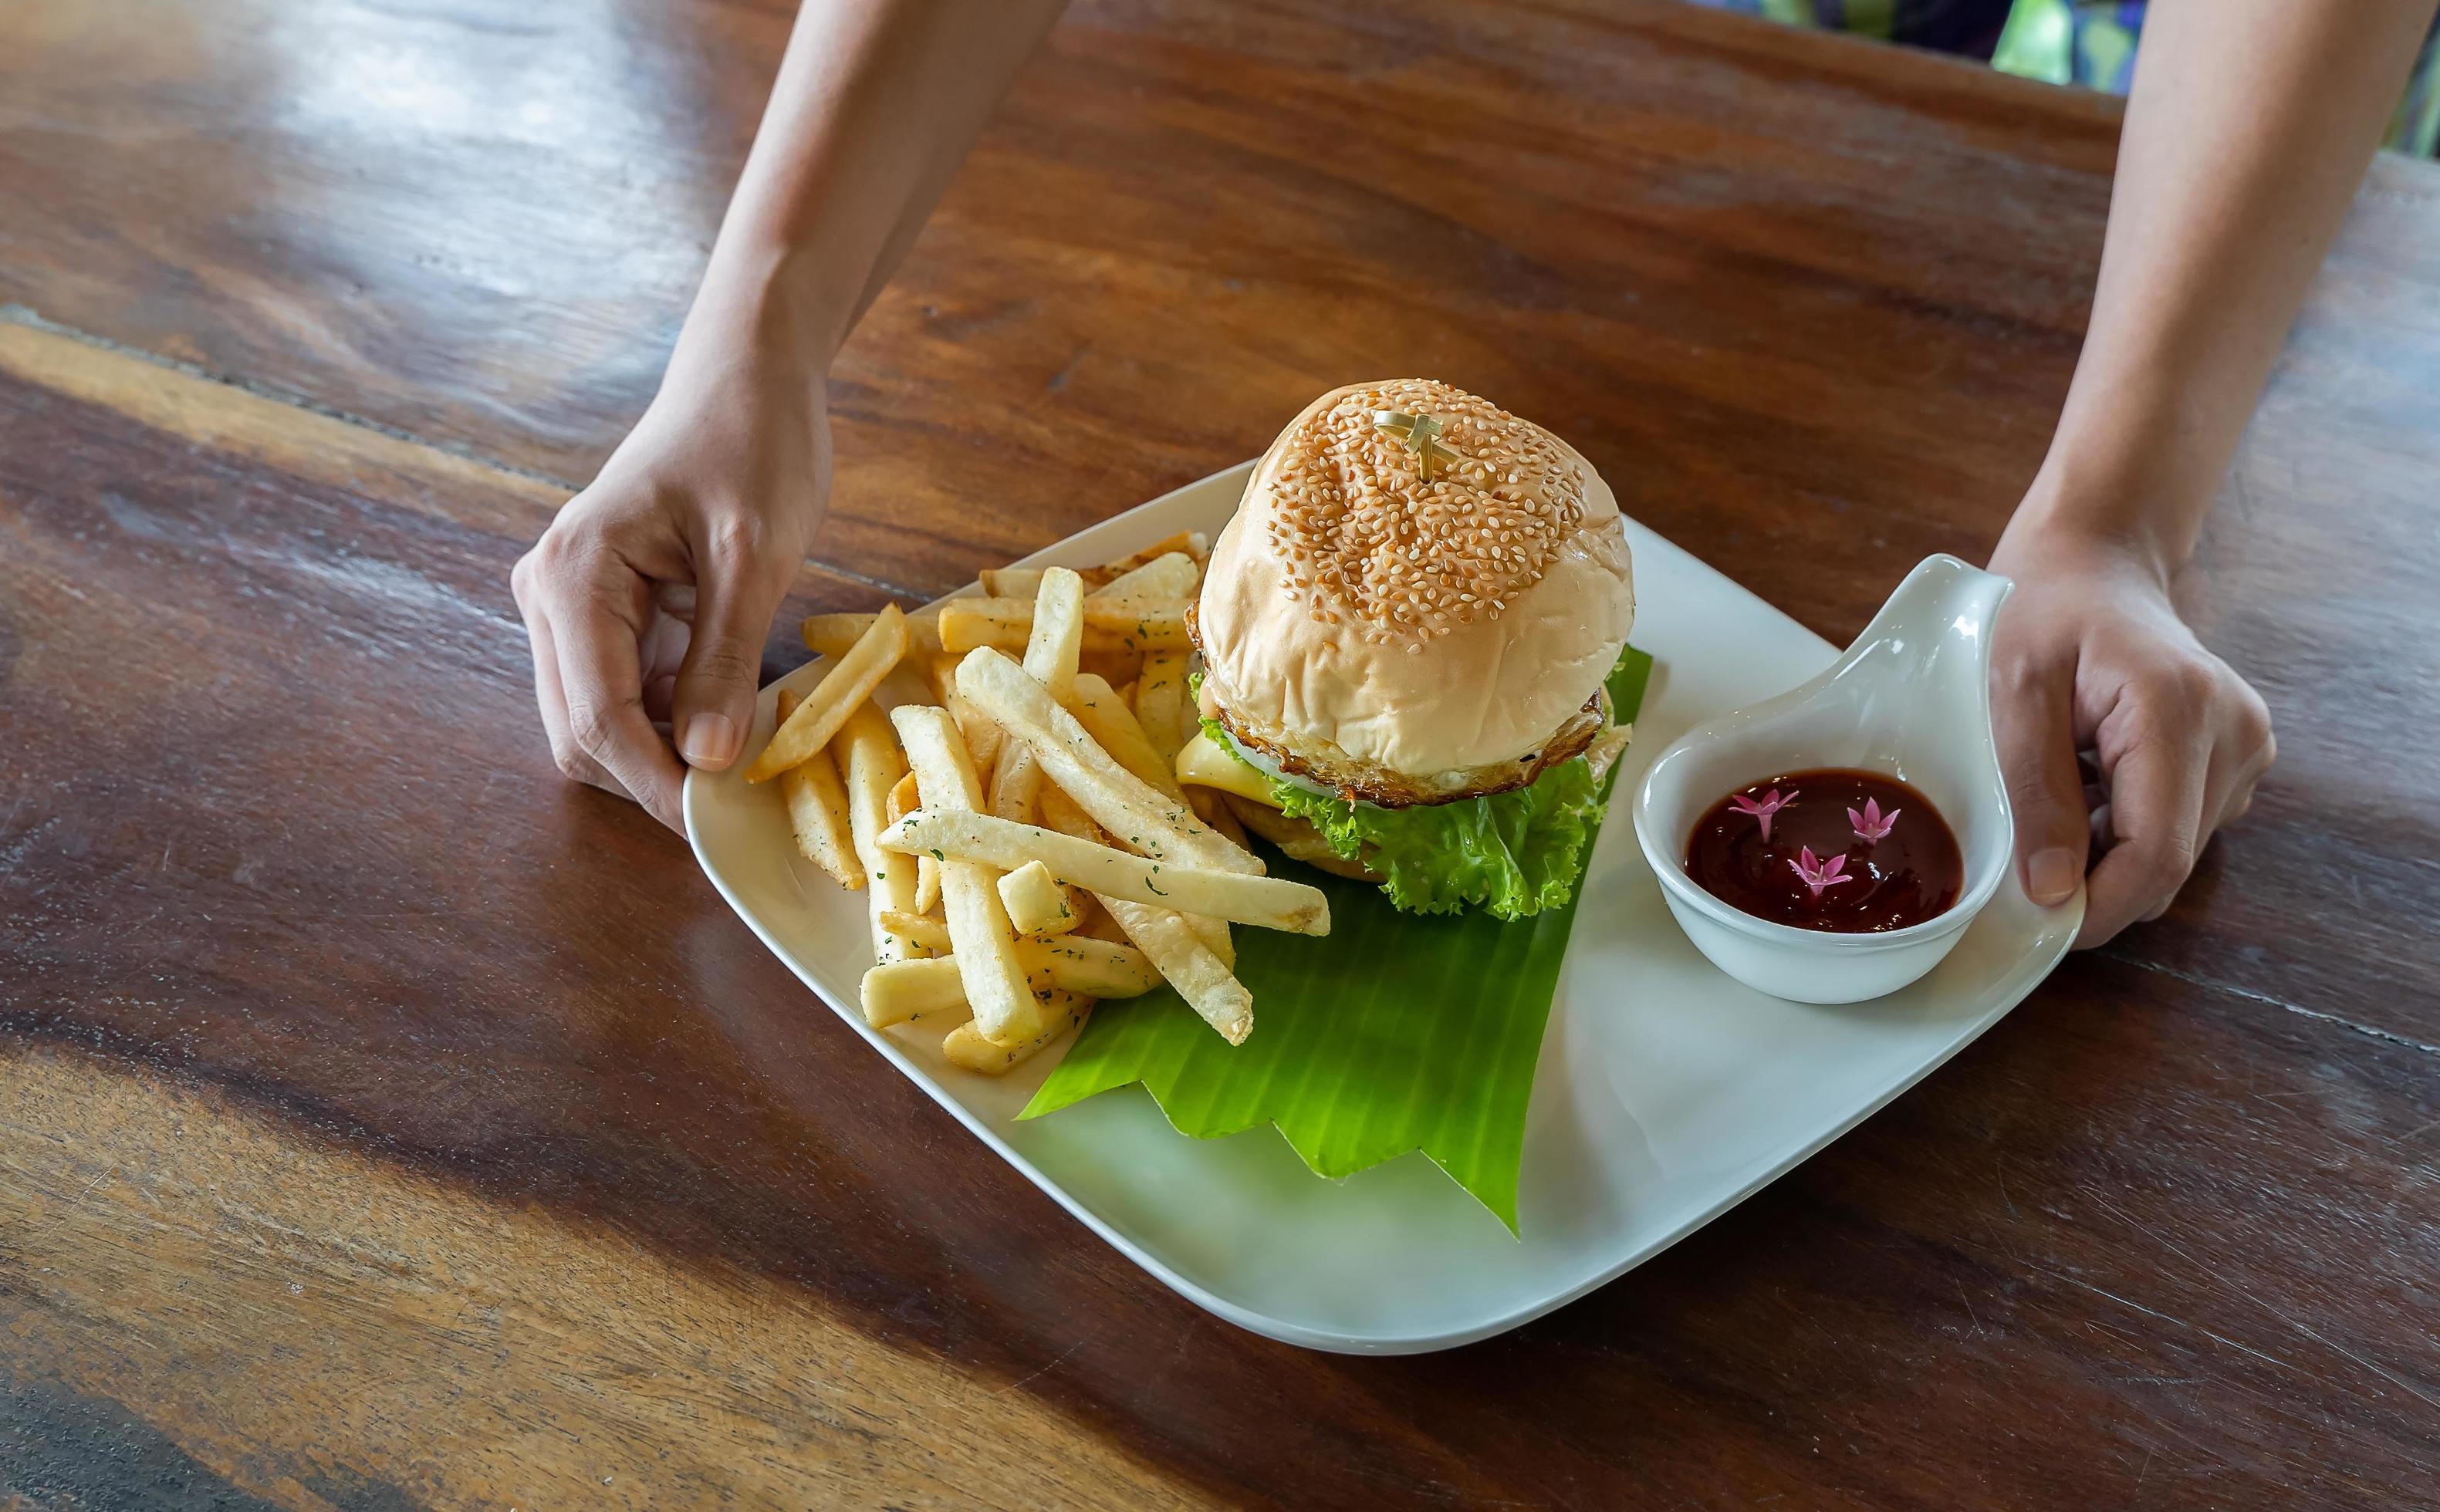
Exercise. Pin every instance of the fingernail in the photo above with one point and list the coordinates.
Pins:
(2050, 877)
(710, 741)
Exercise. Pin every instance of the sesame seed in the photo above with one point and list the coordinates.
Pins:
(1363, 535)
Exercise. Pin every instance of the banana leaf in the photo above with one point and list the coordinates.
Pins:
(1396, 1032)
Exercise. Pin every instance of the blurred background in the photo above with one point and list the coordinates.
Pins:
(2087, 43)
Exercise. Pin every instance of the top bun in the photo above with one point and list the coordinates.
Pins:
(1363, 621)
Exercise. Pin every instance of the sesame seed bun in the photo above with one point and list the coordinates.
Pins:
(1409, 639)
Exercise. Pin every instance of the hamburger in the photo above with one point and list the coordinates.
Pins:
(1404, 635)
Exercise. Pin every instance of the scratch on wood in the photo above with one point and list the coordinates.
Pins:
(2417, 1133)
(2210, 984)
(2153, 1312)
(2281, 1317)
(1036, 1375)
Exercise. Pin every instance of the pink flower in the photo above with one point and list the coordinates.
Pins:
(1769, 804)
(1872, 825)
(1819, 874)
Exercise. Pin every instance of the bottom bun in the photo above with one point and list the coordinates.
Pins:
(1298, 839)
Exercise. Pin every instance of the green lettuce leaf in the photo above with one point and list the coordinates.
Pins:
(1394, 1033)
(1512, 854)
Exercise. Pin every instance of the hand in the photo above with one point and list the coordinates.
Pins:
(2092, 657)
(650, 596)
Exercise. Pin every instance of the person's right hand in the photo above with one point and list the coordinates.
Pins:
(649, 597)
(2092, 655)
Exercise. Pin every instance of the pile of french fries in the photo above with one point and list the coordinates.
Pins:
(1021, 832)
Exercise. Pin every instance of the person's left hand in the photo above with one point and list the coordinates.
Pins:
(649, 597)
(2092, 657)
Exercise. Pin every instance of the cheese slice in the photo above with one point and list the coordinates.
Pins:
(1201, 761)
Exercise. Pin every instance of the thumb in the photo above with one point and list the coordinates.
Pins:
(2033, 719)
(712, 705)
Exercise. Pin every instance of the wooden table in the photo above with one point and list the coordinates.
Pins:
(385, 1122)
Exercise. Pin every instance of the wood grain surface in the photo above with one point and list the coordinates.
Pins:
(385, 1122)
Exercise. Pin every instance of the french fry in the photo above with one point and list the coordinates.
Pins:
(917, 929)
(1166, 579)
(1217, 812)
(1160, 704)
(1139, 816)
(1096, 969)
(978, 839)
(1123, 579)
(836, 634)
(815, 797)
(941, 673)
(1050, 659)
(1193, 542)
(979, 936)
(982, 736)
(1079, 910)
(966, 1048)
(848, 683)
(1214, 935)
(1186, 963)
(868, 761)
(1113, 726)
(1060, 812)
(1010, 583)
(904, 799)
(909, 989)
(1006, 624)
(1036, 903)
(1115, 667)
(1058, 631)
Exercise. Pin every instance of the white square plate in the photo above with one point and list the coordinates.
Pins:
(1666, 1092)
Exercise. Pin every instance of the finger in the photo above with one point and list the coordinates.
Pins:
(2239, 758)
(2244, 753)
(595, 624)
(714, 704)
(664, 645)
(676, 600)
(564, 753)
(659, 694)
(2033, 721)
(2227, 789)
(2155, 806)
(662, 652)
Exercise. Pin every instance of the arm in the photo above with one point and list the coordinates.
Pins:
(650, 595)
(2248, 129)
